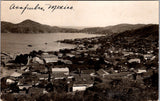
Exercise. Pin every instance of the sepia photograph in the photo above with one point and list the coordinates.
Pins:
(79, 51)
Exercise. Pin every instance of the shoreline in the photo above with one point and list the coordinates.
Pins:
(42, 45)
(106, 62)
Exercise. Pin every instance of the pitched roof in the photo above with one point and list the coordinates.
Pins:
(60, 69)
(88, 71)
(15, 74)
(102, 72)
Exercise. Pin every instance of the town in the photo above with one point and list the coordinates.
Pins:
(106, 67)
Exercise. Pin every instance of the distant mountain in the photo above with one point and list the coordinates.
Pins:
(97, 30)
(123, 27)
(29, 26)
(112, 29)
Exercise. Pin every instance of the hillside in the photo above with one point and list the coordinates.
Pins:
(149, 32)
(145, 38)
(123, 27)
(112, 29)
(29, 26)
(139, 40)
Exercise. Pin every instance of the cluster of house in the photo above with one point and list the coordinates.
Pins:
(115, 55)
(26, 81)
(37, 73)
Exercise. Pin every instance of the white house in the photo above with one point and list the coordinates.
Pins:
(9, 81)
(70, 55)
(37, 59)
(66, 61)
(79, 87)
(15, 74)
(61, 70)
(134, 60)
(148, 56)
(141, 71)
(34, 60)
(128, 53)
(51, 59)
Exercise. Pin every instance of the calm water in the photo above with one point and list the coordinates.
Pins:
(18, 43)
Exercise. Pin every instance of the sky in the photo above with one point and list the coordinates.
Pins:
(85, 13)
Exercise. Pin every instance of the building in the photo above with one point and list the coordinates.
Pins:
(70, 55)
(51, 59)
(66, 61)
(81, 85)
(34, 60)
(128, 53)
(42, 76)
(15, 74)
(102, 72)
(149, 57)
(37, 60)
(10, 81)
(61, 70)
(88, 71)
(141, 71)
(134, 60)
(58, 76)
(36, 67)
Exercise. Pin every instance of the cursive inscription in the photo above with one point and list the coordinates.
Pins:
(26, 7)
(53, 7)
(39, 7)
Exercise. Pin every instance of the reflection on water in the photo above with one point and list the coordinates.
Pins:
(24, 43)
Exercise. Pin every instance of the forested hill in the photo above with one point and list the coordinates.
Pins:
(145, 38)
(112, 29)
(149, 32)
(29, 26)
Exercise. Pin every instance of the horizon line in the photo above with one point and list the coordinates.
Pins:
(81, 26)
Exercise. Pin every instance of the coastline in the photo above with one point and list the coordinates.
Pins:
(98, 62)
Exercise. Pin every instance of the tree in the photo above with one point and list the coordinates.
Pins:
(49, 87)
